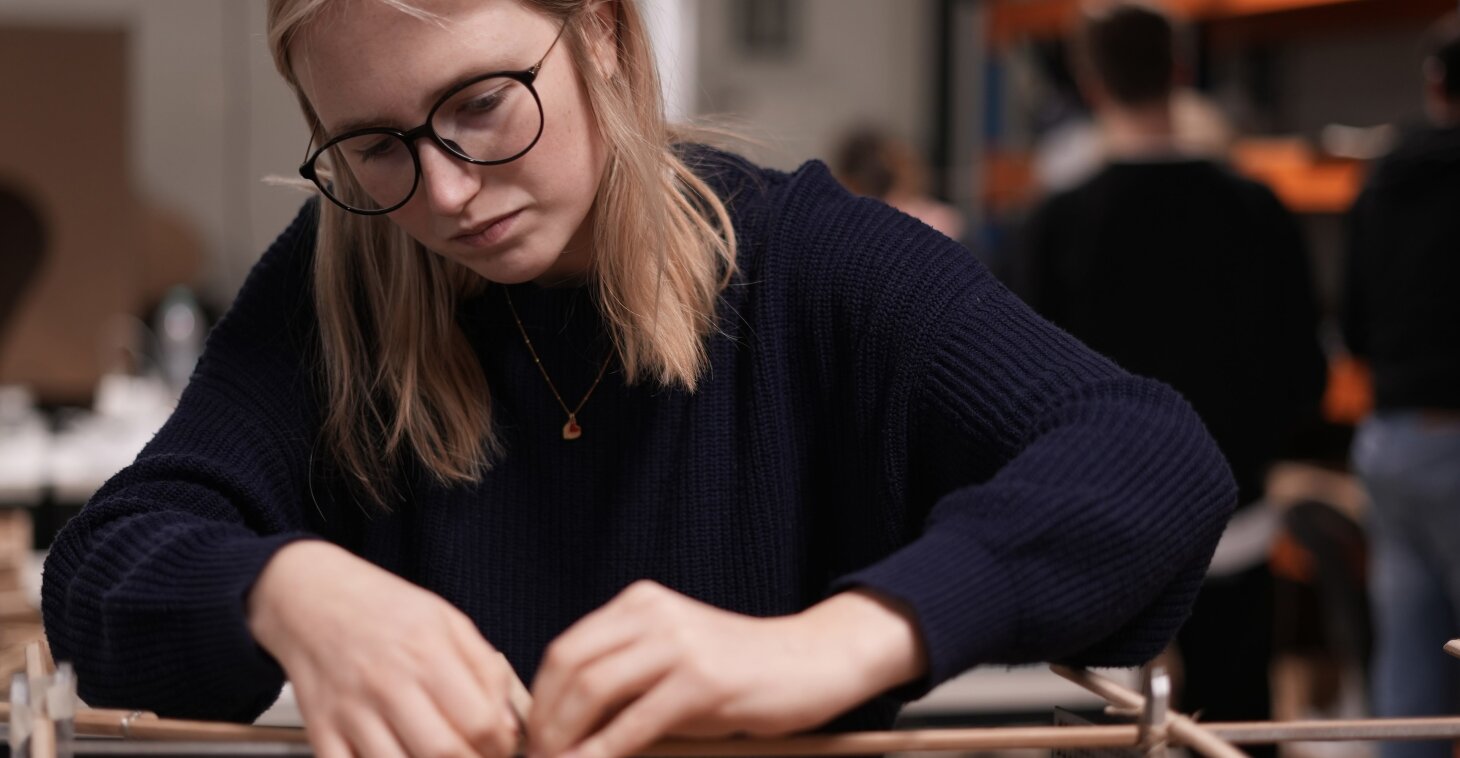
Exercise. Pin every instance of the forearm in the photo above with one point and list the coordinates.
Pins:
(262, 608)
(876, 631)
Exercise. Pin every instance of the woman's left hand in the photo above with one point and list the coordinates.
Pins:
(653, 663)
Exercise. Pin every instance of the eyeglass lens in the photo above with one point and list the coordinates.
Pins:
(496, 119)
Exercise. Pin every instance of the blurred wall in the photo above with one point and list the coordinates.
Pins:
(1351, 78)
(847, 61)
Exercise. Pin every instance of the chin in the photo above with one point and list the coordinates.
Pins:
(505, 269)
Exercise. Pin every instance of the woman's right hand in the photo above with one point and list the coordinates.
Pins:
(381, 667)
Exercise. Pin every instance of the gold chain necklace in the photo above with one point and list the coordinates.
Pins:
(571, 429)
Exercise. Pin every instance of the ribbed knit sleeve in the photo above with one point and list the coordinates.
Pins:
(1057, 507)
(144, 591)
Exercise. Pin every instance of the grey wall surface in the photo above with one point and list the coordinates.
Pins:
(850, 61)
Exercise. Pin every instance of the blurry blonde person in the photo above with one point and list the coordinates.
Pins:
(872, 163)
(699, 448)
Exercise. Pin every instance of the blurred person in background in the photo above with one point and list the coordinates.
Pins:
(872, 163)
(536, 383)
(1180, 270)
(1402, 317)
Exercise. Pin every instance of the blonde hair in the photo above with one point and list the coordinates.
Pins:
(400, 376)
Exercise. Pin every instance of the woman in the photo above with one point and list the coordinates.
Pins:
(701, 448)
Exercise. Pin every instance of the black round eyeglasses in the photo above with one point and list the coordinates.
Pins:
(486, 120)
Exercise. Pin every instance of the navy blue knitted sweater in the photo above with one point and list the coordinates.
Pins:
(878, 411)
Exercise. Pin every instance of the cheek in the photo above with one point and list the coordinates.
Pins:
(571, 148)
(415, 219)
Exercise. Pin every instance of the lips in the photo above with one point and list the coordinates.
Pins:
(479, 228)
(488, 233)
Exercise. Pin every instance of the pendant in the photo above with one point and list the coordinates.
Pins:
(571, 430)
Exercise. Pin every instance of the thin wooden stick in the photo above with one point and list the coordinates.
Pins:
(149, 727)
(140, 725)
(1182, 727)
(1270, 732)
(42, 731)
(873, 743)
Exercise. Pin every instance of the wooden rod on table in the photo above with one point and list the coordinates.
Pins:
(872, 743)
(139, 725)
(1272, 732)
(1183, 728)
(143, 725)
(147, 726)
(43, 731)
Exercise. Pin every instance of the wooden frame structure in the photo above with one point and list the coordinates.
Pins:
(44, 723)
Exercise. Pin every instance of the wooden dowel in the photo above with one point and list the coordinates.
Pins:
(1272, 732)
(872, 743)
(154, 728)
(147, 726)
(42, 730)
(1182, 728)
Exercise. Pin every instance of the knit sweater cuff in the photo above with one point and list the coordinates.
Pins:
(961, 623)
(179, 620)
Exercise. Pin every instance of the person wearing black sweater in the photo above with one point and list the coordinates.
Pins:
(698, 447)
(1178, 269)
(1401, 316)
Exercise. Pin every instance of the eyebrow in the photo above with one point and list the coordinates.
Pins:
(372, 122)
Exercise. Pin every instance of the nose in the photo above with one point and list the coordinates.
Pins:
(449, 182)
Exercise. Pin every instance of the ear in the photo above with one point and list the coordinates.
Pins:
(600, 32)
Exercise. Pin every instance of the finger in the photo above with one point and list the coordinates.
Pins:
(492, 673)
(596, 691)
(490, 667)
(598, 634)
(475, 707)
(328, 743)
(421, 726)
(369, 737)
(643, 722)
